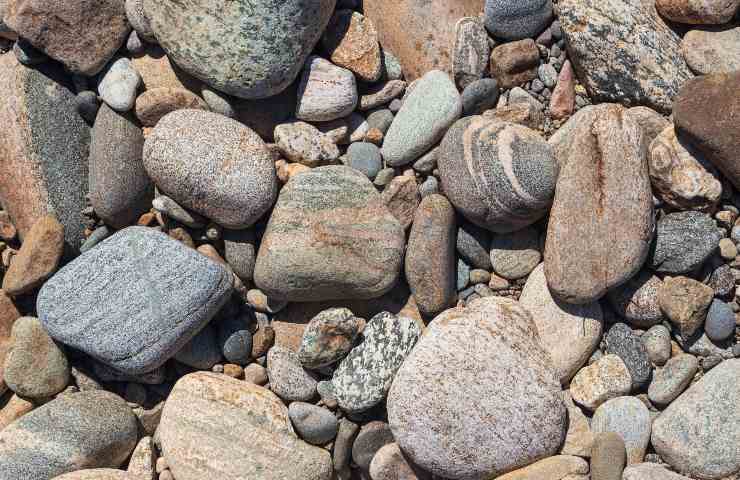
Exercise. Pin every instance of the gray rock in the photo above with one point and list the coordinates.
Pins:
(372, 437)
(303, 143)
(515, 255)
(325, 92)
(72, 432)
(463, 274)
(313, 424)
(328, 337)
(108, 374)
(683, 242)
(380, 119)
(650, 471)
(712, 51)
(548, 75)
(622, 341)
(246, 49)
(118, 84)
(365, 157)
(512, 20)
(430, 186)
(220, 103)
(479, 96)
(470, 52)
(670, 381)
(202, 351)
(137, 18)
(133, 301)
(391, 66)
(240, 252)
(170, 208)
(27, 54)
(608, 457)
(426, 114)
(234, 338)
(720, 322)
(343, 444)
(473, 245)
(637, 300)
(213, 165)
(97, 236)
(630, 419)
(657, 343)
(287, 377)
(364, 376)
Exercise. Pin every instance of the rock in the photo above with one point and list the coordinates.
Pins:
(328, 337)
(303, 143)
(38, 257)
(685, 302)
(680, 175)
(579, 439)
(651, 122)
(45, 168)
(696, 434)
(697, 13)
(249, 50)
(171, 209)
(329, 237)
(142, 463)
(82, 35)
(601, 221)
(352, 42)
(420, 33)
(477, 150)
(96, 474)
(446, 377)
(470, 52)
(255, 373)
(512, 20)
(155, 103)
(637, 300)
(364, 376)
(515, 255)
(326, 92)
(365, 157)
(343, 444)
(582, 325)
(645, 70)
(72, 432)
(118, 84)
(603, 380)
(720, 322)
(650, 471)
(199, 440)
(213, 165)
(240, 252)
(120, 189)
(515, 63)
(629, 418)
(287, 378)
(562, 102)
(234, 338)
(315, 425)
(14, 409)
(381, 119)
(620, 340)
(608, 457)
(139, 21)
(430, 255)
(657, 342)
(389, 463)
(683, 242)
(670, 381)
(372, 437)
(94, 304)
(352, 128)
(473, 245)
(202, 351)
(382, 93)
(402, 198)
(709, 51)
(479, 96)
(556, 467)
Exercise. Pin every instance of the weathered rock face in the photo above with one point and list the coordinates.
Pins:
(134, 300)
(457, 388)
(601, 222)
(44, 146)
(329, 237)
(199, 439)
(646, 69)
(243, 48)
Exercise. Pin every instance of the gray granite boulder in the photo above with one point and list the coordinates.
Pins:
(683, 242)
(134, 300)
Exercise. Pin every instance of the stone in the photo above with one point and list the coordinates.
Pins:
(364, 376)
(601, 221)
(365, 157)
(603, 380)
(110, 303)
(38, 257)
(155, 103)
(81, 430)
(481, 164)
(430, 255)
(389, 463)
(608, 457)
(651, 122)
(372, 437)
(287, 378)
(473, 245)
(645, 70)
(637, 300)
(680, 175)
(710, 51)
(82, 35)
(470, 52)
(447, 377)
(479, 96)
(96, 474)
(198, 437)
(170, 208)
(256, 374)
(46, 167)
(313, 424)
(139, 22)
(697, 434)
(620, 340)
(213, 165)
(249, 50)
(579, 439)
(329, 337)
(351, 41)
(709, 12)
(562, 102)
(683, 242)
(329, 237)
(120, 189)
(650, 471)
(657, 342)
(118, 84)
(512, 20)
(303, 143)
(240, 252)
(548, 75)
(582, 325)
(515, 63)
(381, 119)
(402, 198)
(515, 255)
(685, 303)
(14, 409)
(141, 466)
(720, 322)
(629, 418)
(326, 92)
(551, 468)
(352, 128)
(727, 249)
(670, 381)
(235, 340)
(381, 94)
(202, 351)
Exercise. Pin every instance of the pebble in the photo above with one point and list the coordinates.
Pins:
(255, 373)
(371, 438)
(463, 275)
(326, 92)
(14, 409)
(389, 463)
(351, 41)
(657, 342)
(479, 96)
(381, 94)
(380, 119)
(155, 103)
(670, 381)
(579, 439)
(562, 102)
(620, 340)
(708, 51)
(402, 198)
(473, 245)
(470, 53)
(87, 105)
(138, 20)
(702, 13)
(342, 131)
(303, 143)
(558, 466)
(118, 85)
(515, 255)
(548, 75)
(287, 377)
(603, 380)
(329, 337)
(142, 464)
(608, 457)
(240, 252)
(637, 300)
(37, 259)
(515, 63)
(685, 303)
(629, 418)
(512, 20)
(365, 157)
(683, 242)
(720, 321)
(727, 249)
(169, 207)
(315, 425)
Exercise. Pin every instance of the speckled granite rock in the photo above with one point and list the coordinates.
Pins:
(514, 255)
(683, 242)
(303, 143)
(470, 51)
(702, 12)
(645, 70)
(199, 439)
(329, 237)
(709, 51)
(287, 377)
(448, 377)
(515, 63)
(326, 92)
(637, 300)
(685, 303)
(603, 380)
(630, 419)
(155, 103)
(134, 300)
(650, 471)
(246, 49)
(328, 337)
(142, 464)
(351, 41)
(364, 376)
(402, 198)
(651, 122)
(72, 432)
(620, 340)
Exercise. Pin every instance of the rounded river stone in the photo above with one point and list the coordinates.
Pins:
(683, 242)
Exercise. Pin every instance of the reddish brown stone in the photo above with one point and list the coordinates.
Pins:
(262, 340)
(38, 257)
(563, 99)
(352, 43)
(7, 229)
(515, 63)
(402, 197)
(158, 102)
(157, 71)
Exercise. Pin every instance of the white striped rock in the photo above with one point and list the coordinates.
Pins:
(470, 51)
(326, 92)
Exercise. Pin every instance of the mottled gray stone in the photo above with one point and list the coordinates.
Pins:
(234, 338)
(470, 52)
(670, 381)
(139, 22)
(515, 255)
(352, 128)
(313, 424)
(240, 252)
(287, 377)
(326, 92)
(657, 342)
(683, 242)
(328, 337)
(637, 300)
(202, 351)
(473, 245)
(479, 96)
(720, 322)
(630, 419)
(365, 157)
(118, 84)
(380, 119)
(622, 341)
(133, 301)
(514, 20)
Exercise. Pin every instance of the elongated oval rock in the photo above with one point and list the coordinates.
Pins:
(601, 222)
(199, 439)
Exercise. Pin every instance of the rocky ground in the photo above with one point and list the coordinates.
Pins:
(398, 240)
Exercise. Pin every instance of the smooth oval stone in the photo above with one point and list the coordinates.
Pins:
(134, 300)
(243, 48)
(364, 376)
(601, 222)
(499, 175)
(620, 340)
(670, 381)
(118, 85)
(630, 419)
(657, 342)
(326, 92)
(213, 165)
(720, 322)
(329, 237)
(372, 437)
(427, 112)
(389, 463)
(155, 103)
(234, 338)
(707, 12)
(93, 429)
(709, 51)
(328, 337)
(515, 20)
(515, 255)
(314, 424)
(608, 457)
(199, 439)
(462, 369)
(637, 300)
(240, 252)
(683, 242)
(557, 466)
(365, 157)
(479, 96)
(287, 377)
(473, 245)
(303, 143)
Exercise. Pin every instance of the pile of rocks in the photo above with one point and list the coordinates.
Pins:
(321, 239)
